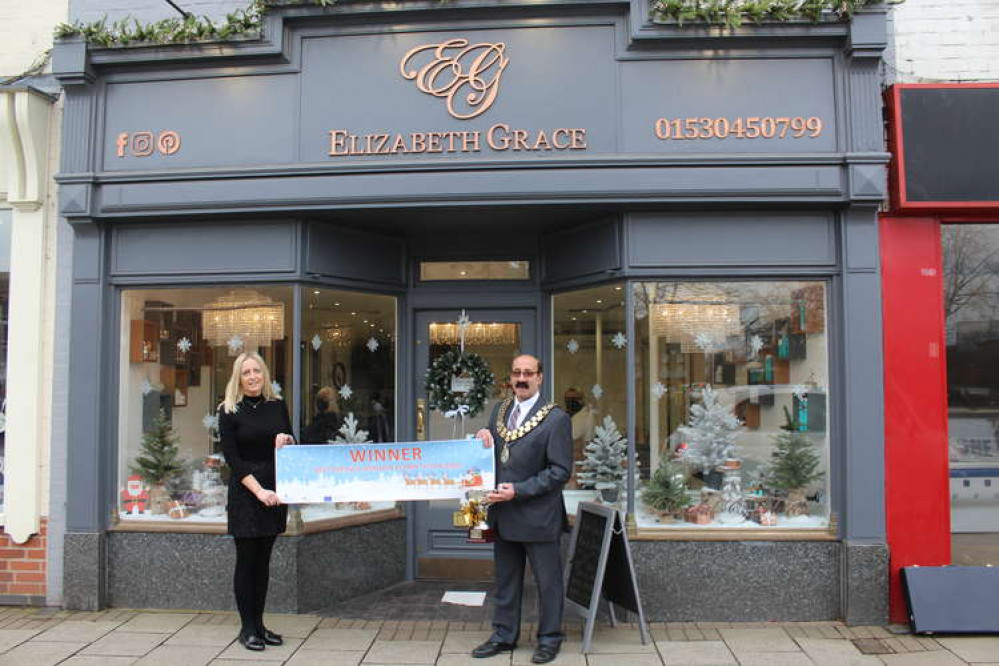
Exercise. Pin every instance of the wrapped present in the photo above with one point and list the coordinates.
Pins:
(700, 514)
(764, 516)
(177, 510)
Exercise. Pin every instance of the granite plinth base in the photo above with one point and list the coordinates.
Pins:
(168, 570)
(739, 581)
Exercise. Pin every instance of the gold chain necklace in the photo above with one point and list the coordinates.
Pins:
(525, 427)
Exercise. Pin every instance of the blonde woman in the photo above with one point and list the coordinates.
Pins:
(253, 422)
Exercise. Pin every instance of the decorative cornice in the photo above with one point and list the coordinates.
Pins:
(24, 145)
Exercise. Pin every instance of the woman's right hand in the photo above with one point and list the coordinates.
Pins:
(268, 497)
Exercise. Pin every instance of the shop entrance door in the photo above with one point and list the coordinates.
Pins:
(441, 550)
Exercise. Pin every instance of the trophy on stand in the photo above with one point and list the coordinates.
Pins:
(474, 509)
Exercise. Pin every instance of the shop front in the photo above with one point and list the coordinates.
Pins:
(681, 225)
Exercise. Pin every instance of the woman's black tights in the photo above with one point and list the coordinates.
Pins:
(253, 564)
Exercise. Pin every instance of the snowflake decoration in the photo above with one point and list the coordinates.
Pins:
(235, 343)
(276, 387)
(620, 340)
(211, 421)
(597, 391)
(572, 346)
(755, 344)
(147, 387)
(658, 390)
(704, 342)
(317, 342)
(799, 391)
(184, 345)
(346, 392)
(372, 344)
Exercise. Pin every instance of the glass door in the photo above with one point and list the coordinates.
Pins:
(442, 551)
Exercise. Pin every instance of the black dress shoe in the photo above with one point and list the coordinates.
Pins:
(544, 653)
(251, 642)
(492, 648)
(270, 638)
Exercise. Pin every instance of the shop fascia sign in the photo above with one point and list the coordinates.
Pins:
(467, 79)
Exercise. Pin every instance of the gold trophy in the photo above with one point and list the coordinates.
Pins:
(474, 509)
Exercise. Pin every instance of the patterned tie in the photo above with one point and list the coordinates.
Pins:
(514, 417)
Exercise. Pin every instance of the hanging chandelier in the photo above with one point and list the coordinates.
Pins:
(246, 314)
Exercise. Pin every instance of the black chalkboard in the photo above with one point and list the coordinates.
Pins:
(949, 142)
(600, 567)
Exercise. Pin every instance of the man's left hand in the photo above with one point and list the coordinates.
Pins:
(503, 493)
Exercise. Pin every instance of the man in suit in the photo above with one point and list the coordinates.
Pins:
(533, 451)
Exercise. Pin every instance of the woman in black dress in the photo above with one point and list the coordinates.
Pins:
(253, 422)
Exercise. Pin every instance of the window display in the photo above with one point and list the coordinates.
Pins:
(589, 381)
(731, 405)
(177, 350)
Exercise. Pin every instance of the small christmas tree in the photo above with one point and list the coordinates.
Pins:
(159, 462)
(710, 436)
(794, 463)
(666, 490)
(349, 434)
(603, 467)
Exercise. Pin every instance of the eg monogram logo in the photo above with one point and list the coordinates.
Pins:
(466, 75)
(142, 144)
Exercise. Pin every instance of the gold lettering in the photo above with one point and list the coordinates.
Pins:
(555, 138)
(399, 145)
(466, 76)
(381, 141)
(520, 140)
(542, 143)
(434, 142)
(501, 143)
(470, 139)
(578, 139)
(337, 139)
(419, 142)
(353, 146)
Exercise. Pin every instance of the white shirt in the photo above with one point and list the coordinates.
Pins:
(525, 408)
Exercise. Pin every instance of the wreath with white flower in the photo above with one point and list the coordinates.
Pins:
(441, 383)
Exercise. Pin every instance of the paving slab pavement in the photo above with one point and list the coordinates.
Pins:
(119, 637)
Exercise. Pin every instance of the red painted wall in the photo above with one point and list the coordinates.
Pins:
(916, 466)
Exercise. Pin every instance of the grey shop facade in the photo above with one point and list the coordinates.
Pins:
(668, 216)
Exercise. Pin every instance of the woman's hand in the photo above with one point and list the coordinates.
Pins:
(268, 497)
(486, 437)
(283, 439)
(504, 493)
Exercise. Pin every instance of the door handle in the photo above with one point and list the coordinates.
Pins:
(421, 419)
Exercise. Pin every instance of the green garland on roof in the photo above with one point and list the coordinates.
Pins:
(246, 23)
(733, 13)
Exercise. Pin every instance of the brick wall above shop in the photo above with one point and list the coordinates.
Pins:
(945, 40)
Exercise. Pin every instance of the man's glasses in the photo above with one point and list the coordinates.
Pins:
(527, 374)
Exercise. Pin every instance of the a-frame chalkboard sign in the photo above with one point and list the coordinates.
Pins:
(600, 567)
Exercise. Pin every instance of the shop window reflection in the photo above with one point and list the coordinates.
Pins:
(348, 378)
(731, 386)
(589, 370)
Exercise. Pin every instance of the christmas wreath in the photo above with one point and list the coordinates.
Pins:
(452, 365)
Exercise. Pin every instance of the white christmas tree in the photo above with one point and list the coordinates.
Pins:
(603, 467)
(349, 434)
(710, 436)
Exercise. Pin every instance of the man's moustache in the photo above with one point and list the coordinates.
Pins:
(522, 385)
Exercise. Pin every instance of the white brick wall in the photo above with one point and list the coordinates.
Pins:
(150, 10)
(26, 28)
(944, 40)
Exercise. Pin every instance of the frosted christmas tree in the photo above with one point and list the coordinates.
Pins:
(710, 435)
(349, 434)
(603, 467)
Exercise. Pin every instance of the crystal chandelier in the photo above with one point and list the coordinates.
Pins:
(248, 315)
(491, 334)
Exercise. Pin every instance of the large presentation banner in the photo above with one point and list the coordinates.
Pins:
(309, 473)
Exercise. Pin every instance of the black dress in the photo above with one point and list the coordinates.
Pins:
(248, 445)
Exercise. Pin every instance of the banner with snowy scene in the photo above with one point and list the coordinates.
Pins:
(309, 473)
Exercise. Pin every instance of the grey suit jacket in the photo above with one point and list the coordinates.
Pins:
(539, 466)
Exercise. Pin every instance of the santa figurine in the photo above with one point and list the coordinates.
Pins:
(135, 497)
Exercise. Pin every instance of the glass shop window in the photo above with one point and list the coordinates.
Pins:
(589, 381)
(348, 378)
(177, 351)
(971, 307)
(432, 271)
(732, 407)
